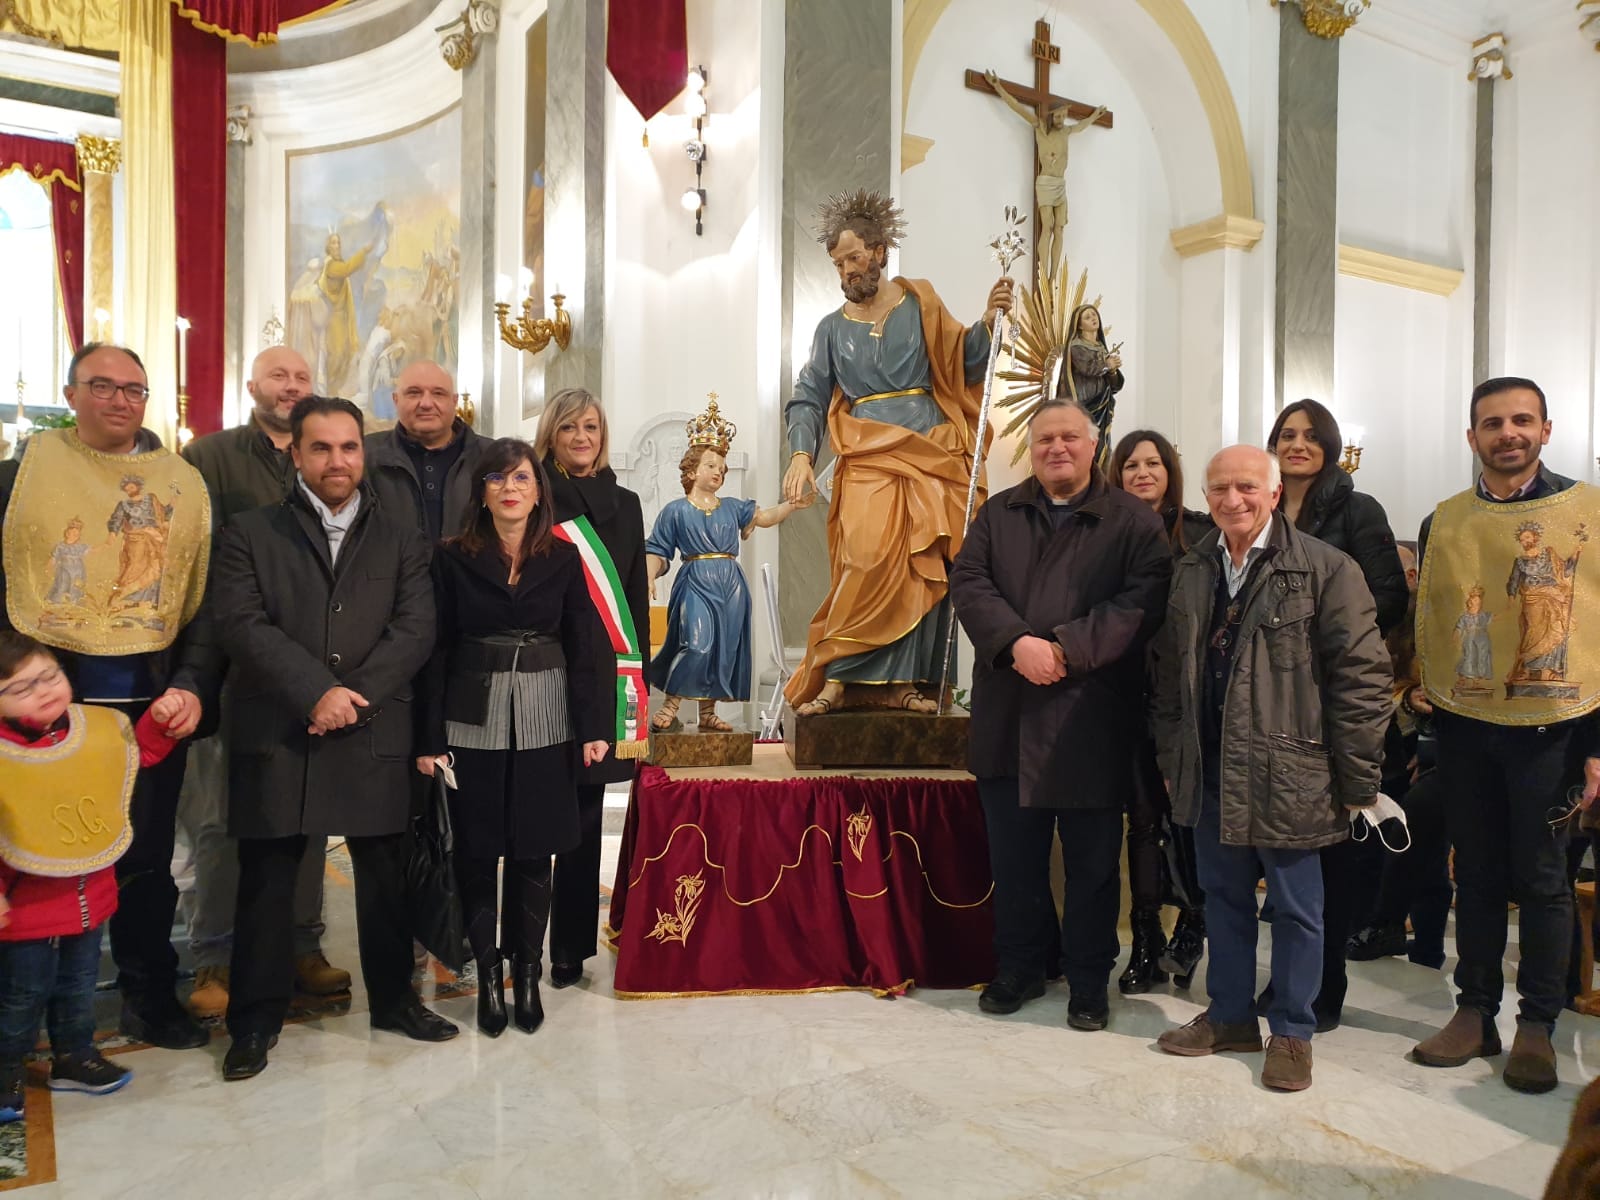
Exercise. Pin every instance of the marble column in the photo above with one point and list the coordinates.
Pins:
(479, 333)
(574, 197)
(1488, 65)
(837, 93)
(1308, 230)
(99, 159)
(237, 351)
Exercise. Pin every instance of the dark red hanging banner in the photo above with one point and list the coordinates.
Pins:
(200, 170)
(55, 164)
(647, 51)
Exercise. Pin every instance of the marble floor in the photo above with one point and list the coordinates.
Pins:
(818, 1096)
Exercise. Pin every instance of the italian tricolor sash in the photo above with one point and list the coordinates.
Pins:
(605, 589)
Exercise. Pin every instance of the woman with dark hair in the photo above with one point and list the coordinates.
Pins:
(574, 445)
(518, 699)
(1320, 499)
(1146, 465)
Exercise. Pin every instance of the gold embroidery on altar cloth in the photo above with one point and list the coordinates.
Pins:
(676, 926)
(783, 868)
(856, 827)
(104, 553)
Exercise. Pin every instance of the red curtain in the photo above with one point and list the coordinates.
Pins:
(55, 164)
(249, 20)
(647, 51)
(200, 166)
(806, 884)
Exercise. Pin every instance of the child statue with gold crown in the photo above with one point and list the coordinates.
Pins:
(706, 654)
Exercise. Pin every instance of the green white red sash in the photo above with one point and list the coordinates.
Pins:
(605, 589)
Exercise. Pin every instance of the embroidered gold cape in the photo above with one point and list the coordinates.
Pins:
(1508, 608)
(897, 513)
(104, 553)
(64, 808)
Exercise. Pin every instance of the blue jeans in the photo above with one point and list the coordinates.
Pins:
(53, 979)
(1294, 890)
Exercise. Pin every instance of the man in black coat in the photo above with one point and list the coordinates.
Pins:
(330, 616)
(423, 468)
(1061, 583)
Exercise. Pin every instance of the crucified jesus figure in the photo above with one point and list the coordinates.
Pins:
(1050, 134)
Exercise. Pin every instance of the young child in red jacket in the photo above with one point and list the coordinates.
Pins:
(66, 776)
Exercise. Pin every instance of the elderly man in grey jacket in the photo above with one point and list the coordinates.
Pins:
(1271, 701)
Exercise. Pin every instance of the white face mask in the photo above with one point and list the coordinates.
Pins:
(1365, 821)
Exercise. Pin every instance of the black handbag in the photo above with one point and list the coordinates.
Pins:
(433, 905)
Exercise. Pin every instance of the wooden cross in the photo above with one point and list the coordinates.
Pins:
(1045, 56)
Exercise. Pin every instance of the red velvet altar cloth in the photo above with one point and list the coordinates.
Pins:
(738, 885)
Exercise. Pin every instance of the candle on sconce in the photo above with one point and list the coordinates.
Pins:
(183, 353)
(525, 280)
(502, 288)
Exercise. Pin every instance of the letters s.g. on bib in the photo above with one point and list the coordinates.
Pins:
(104, 553)
(64, 808)
(1508, 609)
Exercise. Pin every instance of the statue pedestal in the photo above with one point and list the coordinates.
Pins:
(701, 749)
(877, 738)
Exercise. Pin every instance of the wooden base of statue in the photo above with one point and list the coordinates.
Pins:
(877, 737)
(693, 749)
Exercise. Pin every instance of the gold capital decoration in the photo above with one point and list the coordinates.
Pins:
(100, 154)
(1489, 59)
(1328, 18)
(528, 332)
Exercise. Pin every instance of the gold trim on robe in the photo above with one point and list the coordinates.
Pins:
(64, 808)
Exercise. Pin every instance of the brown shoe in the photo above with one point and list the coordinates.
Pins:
(1288, 1066)
(1532, 1065)
(210, 995)
(314, 975)
(1201, 1037)
(1469, 1035)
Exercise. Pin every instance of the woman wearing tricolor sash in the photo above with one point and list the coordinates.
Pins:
(518, 700)
(604, 521)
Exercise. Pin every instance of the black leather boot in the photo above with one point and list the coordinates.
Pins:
(492, 996)
(1148, 943)
(527, 1010)
(1188, 943)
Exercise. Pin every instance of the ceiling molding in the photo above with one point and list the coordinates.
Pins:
(1225, 231)
(1374, 265)
(34, 62)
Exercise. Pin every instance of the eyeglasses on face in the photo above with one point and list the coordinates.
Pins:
(102, 388)
(27, 687)
(523, 480)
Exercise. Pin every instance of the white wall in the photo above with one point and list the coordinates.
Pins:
(1546, 270)
(1403, 358)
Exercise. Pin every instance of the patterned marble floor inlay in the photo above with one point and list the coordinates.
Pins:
(813, 1096)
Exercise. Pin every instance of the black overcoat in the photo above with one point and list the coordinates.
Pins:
(295, 624)
(618, 519)
(1096, 586)
(519, 803)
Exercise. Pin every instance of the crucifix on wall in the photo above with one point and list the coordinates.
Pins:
(1049, 116)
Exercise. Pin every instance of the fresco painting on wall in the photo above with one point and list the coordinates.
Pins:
(374, 259)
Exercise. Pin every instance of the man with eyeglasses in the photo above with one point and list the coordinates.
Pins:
(330, 616)
(128, 628)
(244, 468)
(423, 468)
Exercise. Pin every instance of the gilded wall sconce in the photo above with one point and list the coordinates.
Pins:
(532, 333)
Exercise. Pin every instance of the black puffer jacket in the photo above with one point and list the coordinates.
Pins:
(1352, 521)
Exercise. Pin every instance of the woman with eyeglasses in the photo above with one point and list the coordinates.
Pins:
(1320, 498)
(518, 701)
(573, 443)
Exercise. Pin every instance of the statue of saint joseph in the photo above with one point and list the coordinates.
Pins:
(897, 382)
